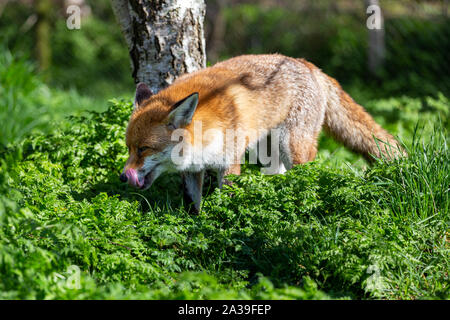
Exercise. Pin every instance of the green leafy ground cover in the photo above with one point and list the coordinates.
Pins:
(328, 229)
(334, 228)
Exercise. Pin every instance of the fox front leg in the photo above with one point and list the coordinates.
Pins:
(192, 190)
(234, 169)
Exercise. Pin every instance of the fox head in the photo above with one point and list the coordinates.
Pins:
(149, 132)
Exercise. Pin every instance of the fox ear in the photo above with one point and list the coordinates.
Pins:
(183, 111)
(143, 92)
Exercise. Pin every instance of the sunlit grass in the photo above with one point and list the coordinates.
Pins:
(324, 229)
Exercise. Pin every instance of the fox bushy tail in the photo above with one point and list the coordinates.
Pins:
(350, 124)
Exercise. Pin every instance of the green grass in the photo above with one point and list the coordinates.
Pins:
(27, 105)
(327, 229)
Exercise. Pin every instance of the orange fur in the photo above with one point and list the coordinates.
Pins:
(251, 93)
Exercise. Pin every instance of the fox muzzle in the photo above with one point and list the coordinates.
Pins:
(131, 176)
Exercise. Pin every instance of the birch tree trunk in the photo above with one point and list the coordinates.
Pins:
(165, 38)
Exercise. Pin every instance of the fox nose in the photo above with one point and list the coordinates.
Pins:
(131, 176)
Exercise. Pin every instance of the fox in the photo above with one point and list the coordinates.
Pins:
(254, 96)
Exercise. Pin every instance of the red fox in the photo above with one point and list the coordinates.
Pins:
(185, 127)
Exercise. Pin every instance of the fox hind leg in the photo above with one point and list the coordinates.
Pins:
(297, 147)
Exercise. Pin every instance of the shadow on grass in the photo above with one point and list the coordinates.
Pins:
(166, 193)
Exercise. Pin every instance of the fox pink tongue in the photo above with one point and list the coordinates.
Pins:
(133, 178)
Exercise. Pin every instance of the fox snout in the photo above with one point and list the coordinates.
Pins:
(131, 176)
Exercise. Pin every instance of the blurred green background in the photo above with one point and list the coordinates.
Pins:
(48, 71)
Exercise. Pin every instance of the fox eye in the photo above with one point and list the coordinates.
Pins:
(171, 126)
(142, 149)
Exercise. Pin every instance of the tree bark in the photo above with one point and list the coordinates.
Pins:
(165, 38)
